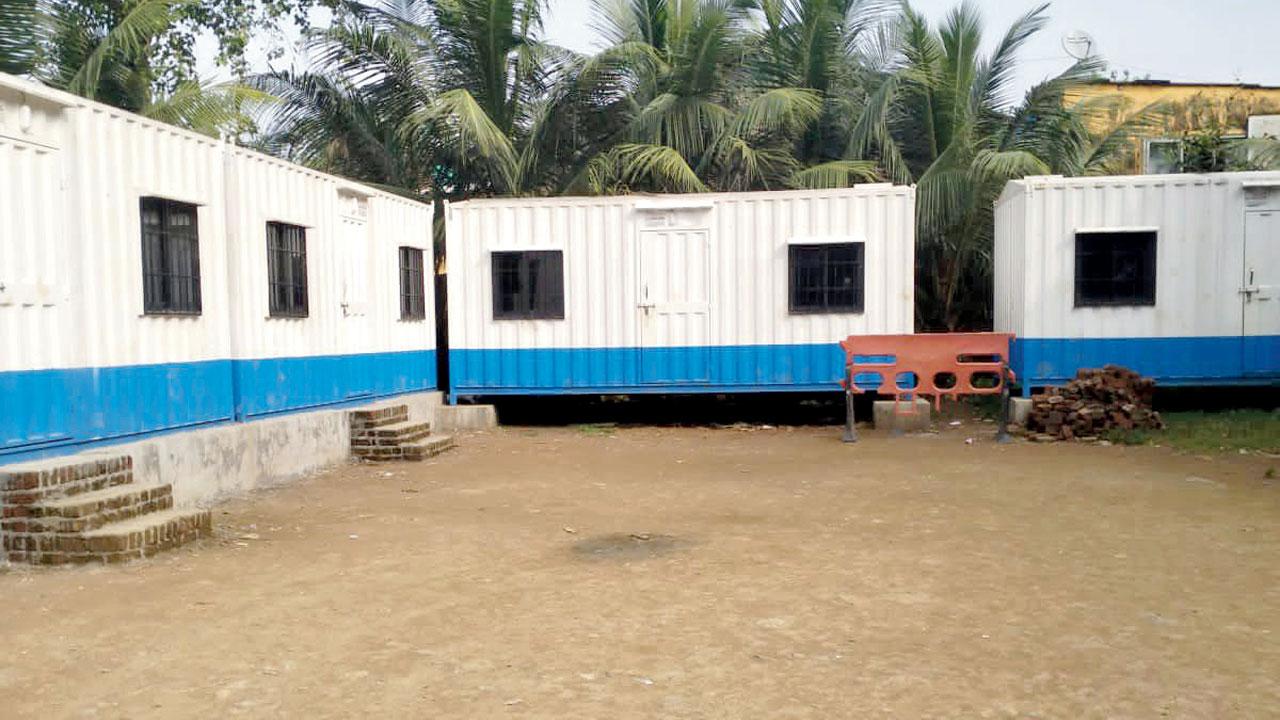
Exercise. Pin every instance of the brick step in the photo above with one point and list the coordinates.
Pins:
(139, 537)
(31, 482)
(88, 511)
(380, 417)
(420, 450)
(391, 434)
(428, 448)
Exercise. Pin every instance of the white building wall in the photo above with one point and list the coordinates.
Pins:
(394, 223)
(1192, 335)
(1199, 221)
(1010, 259)
(120, 158)
(37, 288)
(80, 360)
(747, 271)
(353, 236)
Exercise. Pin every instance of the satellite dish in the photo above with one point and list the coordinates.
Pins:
(1078, 44)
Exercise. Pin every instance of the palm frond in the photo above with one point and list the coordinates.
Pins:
(24, 28)
(836, 174)
(997, 71)
(140, 25)
(458, 116)
(685, 124)
(784, 110)
(659, 165)
(209, 109)
(1262, 153)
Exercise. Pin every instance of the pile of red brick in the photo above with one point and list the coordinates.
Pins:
(1113, 398)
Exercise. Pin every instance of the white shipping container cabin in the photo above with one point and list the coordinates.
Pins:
(134, 281)
(734, 292)
(1174, 276)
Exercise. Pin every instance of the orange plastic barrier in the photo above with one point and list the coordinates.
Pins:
(937, 365)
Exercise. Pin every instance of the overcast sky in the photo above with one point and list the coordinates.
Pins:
(1179, 40)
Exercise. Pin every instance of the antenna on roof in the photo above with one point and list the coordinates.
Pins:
(1078, 44)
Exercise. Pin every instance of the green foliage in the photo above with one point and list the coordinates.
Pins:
(1208, 151)
(1229, 431)
(54, 39)
(1129, 437)
(138, 54)
(1257, 430)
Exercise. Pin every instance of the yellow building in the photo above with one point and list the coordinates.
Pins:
(1173, 109)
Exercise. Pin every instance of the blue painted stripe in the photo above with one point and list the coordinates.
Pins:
(44, 410)
(737, 368)
(1171, 361)
(276, 385)
(1262, 355)
(45, 407)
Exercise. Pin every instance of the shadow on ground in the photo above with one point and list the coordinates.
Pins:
(678, 410)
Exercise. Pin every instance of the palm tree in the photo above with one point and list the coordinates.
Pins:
(937, 118)
(108, 58)
(451, 98)
(695, 107)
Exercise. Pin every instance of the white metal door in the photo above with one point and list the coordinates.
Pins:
(36, 277)
(353, 252)
(354, 256)
(674, 303)
(1261, 291)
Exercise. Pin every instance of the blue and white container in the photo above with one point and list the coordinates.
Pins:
(107, 219)
(1174, 276)
(738, 292)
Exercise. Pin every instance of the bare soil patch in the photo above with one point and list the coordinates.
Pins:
(689, 573)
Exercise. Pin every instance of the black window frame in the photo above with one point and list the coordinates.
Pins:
(170, 259)
(816, 260)
(1099, 279)
(287, 295)
(413, 287)
(539, 279)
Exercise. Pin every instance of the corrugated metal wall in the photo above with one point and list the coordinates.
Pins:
(1009, 259)
(1193, 332)
(353, 343)
(750, 340)
(80, 360)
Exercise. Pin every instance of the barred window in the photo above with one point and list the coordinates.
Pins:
(826, 278)
(1115, 268)
(413, 305)
(287, 270)
(528, 285)
(170, 258)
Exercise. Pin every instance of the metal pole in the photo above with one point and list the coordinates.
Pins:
(850, 431)
(1002, 433)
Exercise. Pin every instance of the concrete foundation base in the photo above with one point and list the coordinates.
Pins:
(907, 419)
(205, 465)
(450, 418)
(1019, 411)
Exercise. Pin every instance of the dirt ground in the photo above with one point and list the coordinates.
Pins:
(689, 573)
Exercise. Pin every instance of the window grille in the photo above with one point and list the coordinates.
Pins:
(826, 278)
(170, 258)
(287, 270)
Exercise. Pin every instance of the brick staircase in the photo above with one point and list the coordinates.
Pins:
(55, 512)
(386, 433)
